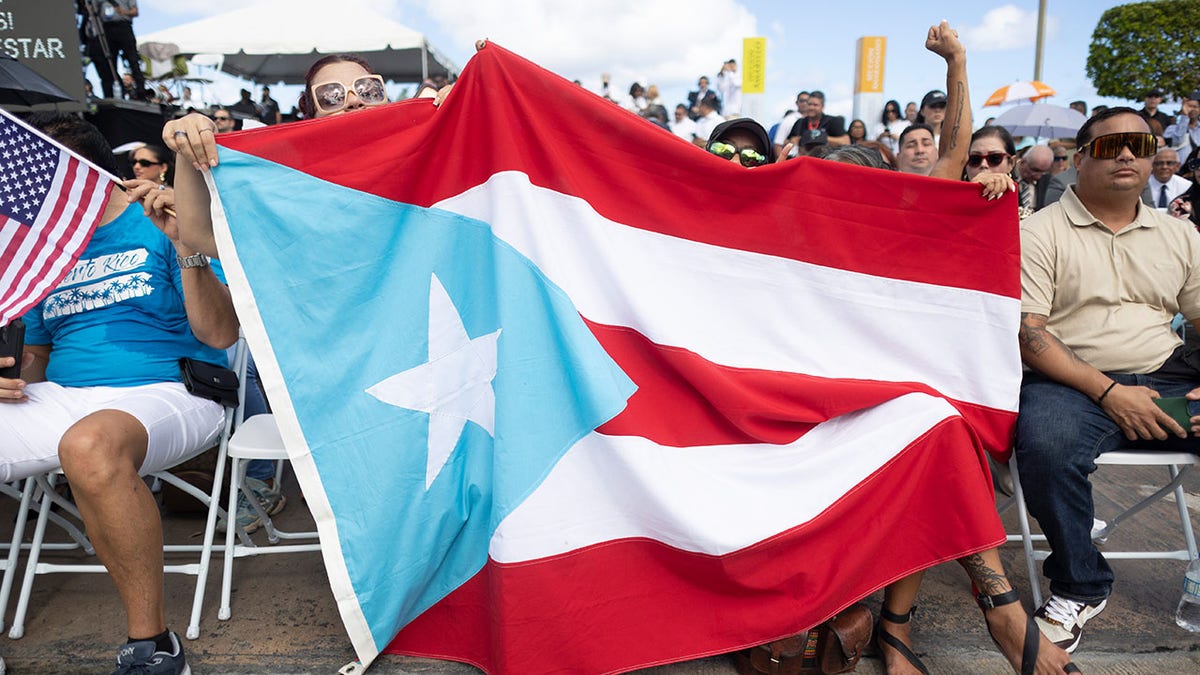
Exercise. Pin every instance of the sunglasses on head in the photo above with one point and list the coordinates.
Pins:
(994, 159)
(1109, 146)
(747, 156)
(331, 96)
(146, 162)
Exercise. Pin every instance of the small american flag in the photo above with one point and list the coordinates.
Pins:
(50, 202)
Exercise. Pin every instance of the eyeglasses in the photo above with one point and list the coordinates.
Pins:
(220, 118)
(331, 96)
(1060, 158)
(1109, 146)
(1158, 164)
(747, 156)
(994, 159)
(146, 162)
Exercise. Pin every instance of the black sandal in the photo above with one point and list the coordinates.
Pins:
(1029, 652)
(893, 641)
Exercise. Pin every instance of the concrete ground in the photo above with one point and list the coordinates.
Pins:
(284, 619)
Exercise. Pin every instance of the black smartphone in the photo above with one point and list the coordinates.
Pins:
(12, 343)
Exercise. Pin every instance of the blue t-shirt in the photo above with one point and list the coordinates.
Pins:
(117, 319)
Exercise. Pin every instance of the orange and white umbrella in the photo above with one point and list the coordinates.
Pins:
(1020, 91)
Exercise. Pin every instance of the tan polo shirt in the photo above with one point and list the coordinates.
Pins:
(1110, 297)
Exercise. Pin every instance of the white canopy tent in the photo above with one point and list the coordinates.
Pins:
(277, 40)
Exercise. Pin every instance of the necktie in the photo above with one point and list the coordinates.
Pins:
(1162, 197)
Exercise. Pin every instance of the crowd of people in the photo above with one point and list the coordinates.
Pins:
(100, 394)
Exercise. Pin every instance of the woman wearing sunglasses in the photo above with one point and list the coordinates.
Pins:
(335, 85)
(990, 161)
(153, 162)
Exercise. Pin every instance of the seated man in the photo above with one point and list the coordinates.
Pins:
(1096, 336)
(100, 390)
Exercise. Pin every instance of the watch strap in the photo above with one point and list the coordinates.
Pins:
(194, 260)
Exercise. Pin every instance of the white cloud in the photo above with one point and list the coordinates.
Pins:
(1006, 27)
(657, 41)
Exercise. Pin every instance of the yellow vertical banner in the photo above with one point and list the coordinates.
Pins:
(869, 57)
(754, 68)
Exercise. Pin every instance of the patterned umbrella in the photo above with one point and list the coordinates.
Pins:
(1020, 91)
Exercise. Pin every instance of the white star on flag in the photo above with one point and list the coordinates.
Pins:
(454, 386)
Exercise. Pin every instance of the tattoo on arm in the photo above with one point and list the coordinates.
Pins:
(1035, 339)
(958, 115)
(987, 580)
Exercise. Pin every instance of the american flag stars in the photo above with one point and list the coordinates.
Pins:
(27, 166)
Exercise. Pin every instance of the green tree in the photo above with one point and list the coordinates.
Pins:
(1146, 45)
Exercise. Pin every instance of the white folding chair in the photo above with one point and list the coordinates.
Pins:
(255, 438)
(1177, 464)
(199, 569)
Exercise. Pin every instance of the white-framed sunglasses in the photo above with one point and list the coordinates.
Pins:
(330, 97)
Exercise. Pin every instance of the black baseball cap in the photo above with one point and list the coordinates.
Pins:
(935, 97)
(760, 134)
(1157, 93)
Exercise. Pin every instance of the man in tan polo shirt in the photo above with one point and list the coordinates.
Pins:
(1101, 278)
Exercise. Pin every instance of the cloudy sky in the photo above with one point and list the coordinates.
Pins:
(671, 42)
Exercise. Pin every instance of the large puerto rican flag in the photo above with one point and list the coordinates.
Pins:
(567, 394)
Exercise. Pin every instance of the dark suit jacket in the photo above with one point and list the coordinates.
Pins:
(1057, 185)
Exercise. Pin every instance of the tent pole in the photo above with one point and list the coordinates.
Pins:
(424, 60)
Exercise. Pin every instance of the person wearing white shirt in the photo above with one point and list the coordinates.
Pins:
(709, 119)
(784, 128)
(890, 125)
(683, 126)
(729, 86)
(1164, 186)
(1184, 135)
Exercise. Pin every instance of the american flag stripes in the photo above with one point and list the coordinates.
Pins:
(50, 202)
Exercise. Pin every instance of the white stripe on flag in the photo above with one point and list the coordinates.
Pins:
(738, 308)
(714, 499)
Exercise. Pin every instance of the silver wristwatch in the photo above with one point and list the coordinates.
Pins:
(195, 260)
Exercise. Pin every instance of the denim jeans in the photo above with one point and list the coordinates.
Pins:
(1060, 433)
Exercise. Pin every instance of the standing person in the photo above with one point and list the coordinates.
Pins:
(245, 107)
(269, 107)
(1102, 277)
(890, 125)
(910, 112)
(1062, 158)
(116, 21)
(729, 86)
(101, 394)
(710, 117)
(702, 92)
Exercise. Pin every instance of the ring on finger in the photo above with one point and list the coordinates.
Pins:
(162, 187)
(180, 133)
(212, 130)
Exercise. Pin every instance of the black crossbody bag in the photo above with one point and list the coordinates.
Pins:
(215, 383)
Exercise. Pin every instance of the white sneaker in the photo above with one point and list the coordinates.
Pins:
(1061, 620)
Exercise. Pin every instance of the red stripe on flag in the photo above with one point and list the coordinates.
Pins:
(712, 404)
(818, 211)
(630, 604)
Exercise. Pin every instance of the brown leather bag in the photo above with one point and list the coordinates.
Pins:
(832, 647)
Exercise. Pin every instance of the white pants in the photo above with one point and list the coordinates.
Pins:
(179, 425)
